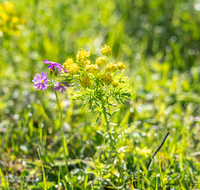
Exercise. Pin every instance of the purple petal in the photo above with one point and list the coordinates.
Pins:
(52, 64)
(65, 70)
(63, 89)
(59, 68)
(37, 86)
(50, 67)
(47, 62)
(65, 83)
(57, 64)
(37, 78)
(45, 81)
(43, 76)
(56, 88)
(43, 86)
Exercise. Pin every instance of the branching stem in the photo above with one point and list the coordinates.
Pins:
(106, 120)
(105, 114)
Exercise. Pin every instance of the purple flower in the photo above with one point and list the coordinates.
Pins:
(53, 65)
(40, 82)
(60, 69)
(61, 86)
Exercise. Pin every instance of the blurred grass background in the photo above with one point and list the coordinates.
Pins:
(159, 43)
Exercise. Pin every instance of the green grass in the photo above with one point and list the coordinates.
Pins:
(162, 69)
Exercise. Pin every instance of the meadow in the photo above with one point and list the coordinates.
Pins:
(77, 140)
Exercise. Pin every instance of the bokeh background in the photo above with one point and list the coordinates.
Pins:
(159, 41)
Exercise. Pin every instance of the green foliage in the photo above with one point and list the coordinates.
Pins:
(95, 96)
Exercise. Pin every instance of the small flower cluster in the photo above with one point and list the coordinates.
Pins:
(106, 51)
(89, 74)
(83, 72)
(82, 58)
(41, 82)
(10, 21)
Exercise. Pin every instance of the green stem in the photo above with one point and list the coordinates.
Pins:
(105, 114)
(107, 122)
(111, 141)
(43, 172)
(62, 136)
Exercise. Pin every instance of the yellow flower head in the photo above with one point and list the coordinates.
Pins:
(84, 63)
(72, 69)
(15, 20)
(87, 62)
(121, 66)
(115, 83)
(82, 57)
(85, 81)
(106, 78)
(106, 50)
(92, 69)
(68, 62)
(3, 17)
(8, 6)
(100, 61)
(110, 67)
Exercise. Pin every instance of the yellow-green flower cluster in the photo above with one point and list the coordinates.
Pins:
(71, 67)
(10, 21)
(115, 83)
(106, 50)
(99, 83)
(92, 69)
(121, 66)
(110, 67)
(106, 78)
(68, 62)
(85, 81)
(101, 61)
(88, 74)
(82, 57)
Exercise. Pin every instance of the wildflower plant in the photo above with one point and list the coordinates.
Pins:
(99, 84)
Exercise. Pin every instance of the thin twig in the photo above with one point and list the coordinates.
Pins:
(158, 149)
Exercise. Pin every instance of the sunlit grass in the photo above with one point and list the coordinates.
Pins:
(159, 45)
